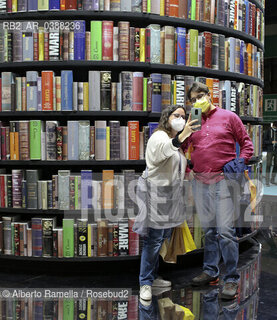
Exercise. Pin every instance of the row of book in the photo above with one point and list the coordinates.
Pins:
(69, 308)
(70, 191)
(48, 140)
(154, 44)
(242, 15)
(40, 237)
(133, 92)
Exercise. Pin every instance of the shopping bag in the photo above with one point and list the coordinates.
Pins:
(169, 310)
(253, 192)
(181, 242)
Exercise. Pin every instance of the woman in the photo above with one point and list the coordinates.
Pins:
(166, 165)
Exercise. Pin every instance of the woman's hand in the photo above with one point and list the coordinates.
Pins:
(188, 129)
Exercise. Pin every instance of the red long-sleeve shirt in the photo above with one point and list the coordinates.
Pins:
(215, 144)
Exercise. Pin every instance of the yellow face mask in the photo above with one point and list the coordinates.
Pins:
(203, 104)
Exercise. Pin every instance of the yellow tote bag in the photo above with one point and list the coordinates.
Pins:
(181, 242)
(188, 314)
(188, 240)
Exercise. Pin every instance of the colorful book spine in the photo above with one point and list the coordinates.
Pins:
(37, 237)
(68, 241)
(96, 40)
(137, 104)
(79, 40)
(181, 46)
(86, 189)
(107, 40)
(156, 92)
(105, 90)
(133, 127)
(123, 35)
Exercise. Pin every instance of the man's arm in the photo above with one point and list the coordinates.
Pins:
(242, 137)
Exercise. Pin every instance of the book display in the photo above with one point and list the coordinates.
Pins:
(82, 87)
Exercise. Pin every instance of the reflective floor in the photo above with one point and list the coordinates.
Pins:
(113, 294)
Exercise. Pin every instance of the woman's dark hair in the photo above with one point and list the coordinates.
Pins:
(198, 87)
(166, 113)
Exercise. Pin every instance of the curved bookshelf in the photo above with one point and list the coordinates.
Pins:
(144, 19)
(72, 163)
(126, 65)
(85, 163)
(137, 115)
(75, 259)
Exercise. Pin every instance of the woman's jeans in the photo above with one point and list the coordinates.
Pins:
(215, 209)
(149, 263)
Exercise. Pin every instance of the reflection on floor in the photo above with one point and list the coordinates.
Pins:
(116, 297)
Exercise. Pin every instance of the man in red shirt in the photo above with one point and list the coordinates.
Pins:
(214, 146)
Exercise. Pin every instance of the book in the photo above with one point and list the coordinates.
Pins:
(181, 46)
(63, 189)
(47, 237)
(73, 140)
(37, 237)
(68, 238)
(66, 90)
(107, 189)
(47, 83)
(96, 40)
(123, 237)
(82, 231)
(107, 40)
(84, 137)
(79, 39)
(86, 189)
(137, 103)
(105, 90)
(100, 139)
(156, 92)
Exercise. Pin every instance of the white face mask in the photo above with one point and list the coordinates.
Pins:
(178, 124)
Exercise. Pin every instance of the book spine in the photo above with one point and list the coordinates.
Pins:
(32, 189)
(96, 40)
(68, 238)
(181, 46)
(208, 49)
(79, 40)
(107, 40)
(215, 51)
(73, 140)
(105, 90)
(100, 140)
(123, 33)
(84, 135)
(63, 189)
(32, 102)
(115, 240)
(59, 143)
(114, 140)
(72, 192)
(37, 237)
(137, 103)
(47, 237)
(66, 90)
(123, 237)
(102, 237)
(51, 140)
(86, 189)
(156, 92)
(82, 244)
(127, 90)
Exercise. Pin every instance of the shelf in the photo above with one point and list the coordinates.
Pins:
(252, 120)
(126, 65)
(144, 19)
(61, 115)
(72, 163)
(75, 259)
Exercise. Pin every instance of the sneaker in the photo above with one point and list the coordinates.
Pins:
(159, 282)
(229, 291)
(203, 279)
(145, 303)
(145, 292)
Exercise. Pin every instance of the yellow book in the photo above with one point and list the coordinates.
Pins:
(58, 93)
(89, 309)
(43, 5)
(142, 45)
(89, 240)
(162, 7)
(85, 99)
(14, 5)
(41, 44)
(108, 143)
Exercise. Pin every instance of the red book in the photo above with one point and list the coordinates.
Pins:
(47, 90)
(46, 46)
(107, 40)
(133, 239)
(215, 92)
(35, 45)
(174, 8)
(62, 4)
(253, 20)
(147, 44)
(137, 91)
(70, 4)
(2, 191)
(133, 130)
(208, 49)
(166, 7)
(9, 6)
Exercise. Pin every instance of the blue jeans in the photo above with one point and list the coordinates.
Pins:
(149, 263)
(215, 209)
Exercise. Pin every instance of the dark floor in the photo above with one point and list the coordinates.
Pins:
(204, 303)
